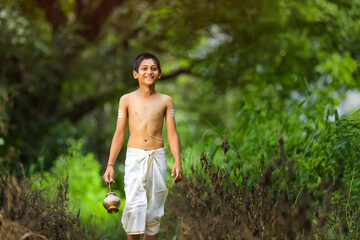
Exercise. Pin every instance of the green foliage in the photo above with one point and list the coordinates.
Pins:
(85, 190)
(340, 68)
(318, 145)
(52, 79)
(31, 212)
(256, 71)
(54, 73)
(323, 146)
(241, 43)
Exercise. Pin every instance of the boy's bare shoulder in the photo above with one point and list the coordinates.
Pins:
(125, 99)
(166, 98)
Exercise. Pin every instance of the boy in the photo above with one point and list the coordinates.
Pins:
(145, 164)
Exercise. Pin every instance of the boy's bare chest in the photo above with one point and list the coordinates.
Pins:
(149, 110)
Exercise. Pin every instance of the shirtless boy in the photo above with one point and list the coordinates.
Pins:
(145, 164)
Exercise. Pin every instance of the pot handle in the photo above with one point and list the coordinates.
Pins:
(109, 186)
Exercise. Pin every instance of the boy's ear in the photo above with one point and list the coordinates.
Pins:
(135, 74)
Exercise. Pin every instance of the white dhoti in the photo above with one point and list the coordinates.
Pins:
(145, 190)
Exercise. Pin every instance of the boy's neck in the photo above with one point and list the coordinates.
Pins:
(146, 90)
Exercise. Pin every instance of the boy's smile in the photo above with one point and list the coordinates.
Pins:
(148, 72)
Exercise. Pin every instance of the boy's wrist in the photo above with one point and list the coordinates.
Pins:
(110, 165)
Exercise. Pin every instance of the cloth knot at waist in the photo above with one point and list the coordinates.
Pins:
(148, 156)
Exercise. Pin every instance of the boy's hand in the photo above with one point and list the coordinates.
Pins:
(109, 175)
(178, 170)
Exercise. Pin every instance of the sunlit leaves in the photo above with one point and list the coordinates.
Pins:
(339, 68)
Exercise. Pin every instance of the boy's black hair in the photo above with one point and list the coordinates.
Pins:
(143, 56)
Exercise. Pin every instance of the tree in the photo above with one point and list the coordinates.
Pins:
(66, 59)
(47, 76)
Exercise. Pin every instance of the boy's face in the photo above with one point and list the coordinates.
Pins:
(148, 72)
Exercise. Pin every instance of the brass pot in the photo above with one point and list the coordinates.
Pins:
(112, 203)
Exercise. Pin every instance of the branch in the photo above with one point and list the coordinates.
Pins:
(92, 21)
(85, 106)
(79, 7)
(53, 13)
(174, 74)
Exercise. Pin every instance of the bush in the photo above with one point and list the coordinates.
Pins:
(227, 209)
(85, 191)
(30, 213)
(308, 190)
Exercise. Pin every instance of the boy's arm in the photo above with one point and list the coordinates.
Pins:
(173, 139)
(117, 141)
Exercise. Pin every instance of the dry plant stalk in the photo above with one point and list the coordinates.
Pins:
(29, 213)
(227, 209)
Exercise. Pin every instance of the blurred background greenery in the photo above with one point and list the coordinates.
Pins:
(246, 71)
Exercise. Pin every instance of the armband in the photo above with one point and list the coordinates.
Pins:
(120, 113)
